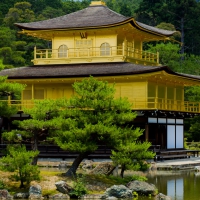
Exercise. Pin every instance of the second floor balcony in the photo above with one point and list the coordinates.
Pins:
(137, 104)
(94, 55)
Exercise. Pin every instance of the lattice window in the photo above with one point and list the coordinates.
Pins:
(39, 94)
(83, 43)
(62, 51)
(105, 49)
(27, 95)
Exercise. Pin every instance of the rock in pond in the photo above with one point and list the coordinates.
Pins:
(142, 187)
(161, 196)
(105, 168)
(59, 196)
(4, 194)
(117, 191)
(92, 196)
(63, 187)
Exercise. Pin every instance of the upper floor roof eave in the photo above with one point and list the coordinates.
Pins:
(92, 17)
(131, 21)
(99, 70)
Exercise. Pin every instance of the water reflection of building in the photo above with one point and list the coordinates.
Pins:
(180, 185)
(175, 188)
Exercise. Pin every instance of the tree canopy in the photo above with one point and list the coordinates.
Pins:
(93, 117)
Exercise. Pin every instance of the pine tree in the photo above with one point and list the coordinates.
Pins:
(44, 116)
(132, 155)
(93, 117)
(18, 160)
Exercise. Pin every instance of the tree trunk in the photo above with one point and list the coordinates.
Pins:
(122, 171)
(21, 184)
(35, 147)
(72, 170)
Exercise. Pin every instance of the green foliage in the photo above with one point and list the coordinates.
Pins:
(2, 184)
(18, 160)
(8, 89)
(193, 145)
(20, 13)
(49, 13)
(192, 126)
(92, 116)
(131, 154)
(185, 144)
(183, 14)
(79, 188)
(138, 178)
(168, 54)
(126, 8)
(44, 117)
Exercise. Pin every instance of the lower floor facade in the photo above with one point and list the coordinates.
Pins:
(165, 130)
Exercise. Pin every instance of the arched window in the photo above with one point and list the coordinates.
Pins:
(105, 49)
(62, 51)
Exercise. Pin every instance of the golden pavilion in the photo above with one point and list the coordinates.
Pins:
(99, 42)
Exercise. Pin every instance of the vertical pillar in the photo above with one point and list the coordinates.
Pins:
(9, 100)
(156, 97)
(175, 102)
(182, 99)
(125, 47)
(166, 101)
(34, 52)
(158, 57)
(32, 91)
(146, 132)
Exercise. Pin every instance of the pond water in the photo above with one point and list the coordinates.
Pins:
(180, 185)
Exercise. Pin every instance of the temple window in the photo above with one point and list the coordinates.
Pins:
(62, 51)
(105, 49)
(83, 43)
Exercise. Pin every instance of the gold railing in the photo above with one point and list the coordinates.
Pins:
(165, 104)
(137, 104)
(96, 52)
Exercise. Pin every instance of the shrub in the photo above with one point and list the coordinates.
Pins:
(79, 188)
(18, 160)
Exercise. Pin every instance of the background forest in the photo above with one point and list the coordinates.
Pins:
(181, 53)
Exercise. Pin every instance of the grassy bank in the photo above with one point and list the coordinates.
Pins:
(93, 183)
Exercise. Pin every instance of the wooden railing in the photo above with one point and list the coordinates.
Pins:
(93, 52)
(137, 104)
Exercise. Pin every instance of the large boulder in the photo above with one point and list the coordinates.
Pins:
(63, 187)
(4, 194)
(161, 196)
(117, 191)
(21, 195)
(105, 168)
(142, 187)
(35, 192)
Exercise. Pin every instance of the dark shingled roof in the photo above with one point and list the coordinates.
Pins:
(81, 70)
(90, 17)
